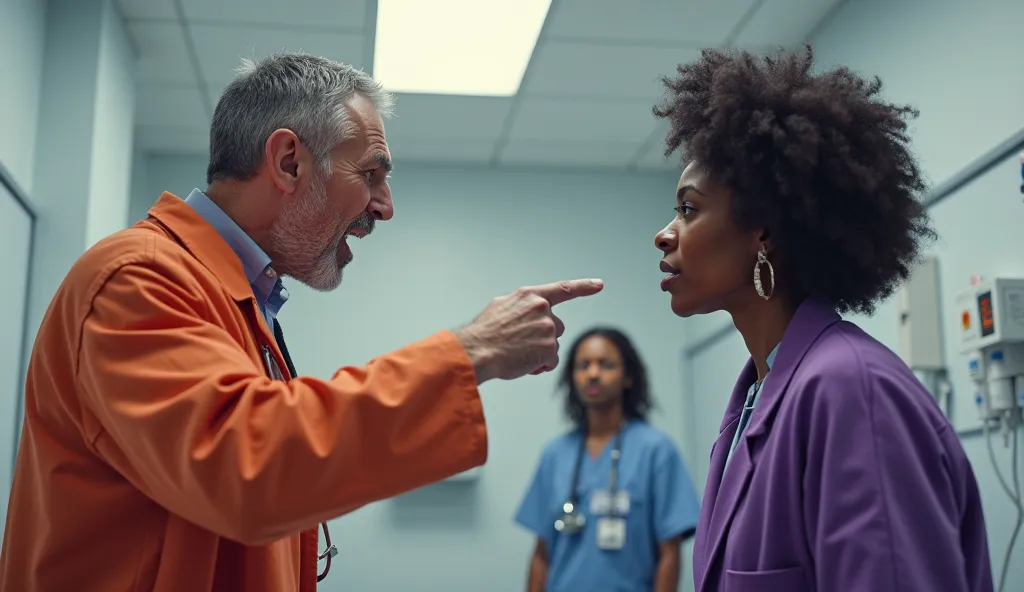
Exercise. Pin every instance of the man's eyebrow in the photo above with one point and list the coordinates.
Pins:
(382, 159)
(681, 193)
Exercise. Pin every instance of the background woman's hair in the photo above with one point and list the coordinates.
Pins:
(636, 399)
(820, 160)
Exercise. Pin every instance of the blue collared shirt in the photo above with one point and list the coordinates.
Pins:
(748, 405)
(264, 280)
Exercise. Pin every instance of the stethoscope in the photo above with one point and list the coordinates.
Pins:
(275, 373)
(572, 520)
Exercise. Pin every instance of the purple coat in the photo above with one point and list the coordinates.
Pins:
(847, 478)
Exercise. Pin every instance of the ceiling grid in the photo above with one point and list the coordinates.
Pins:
(585, 99)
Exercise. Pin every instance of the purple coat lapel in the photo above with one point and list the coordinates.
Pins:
(725, 488)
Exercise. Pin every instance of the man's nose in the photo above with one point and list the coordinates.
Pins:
(381, 207)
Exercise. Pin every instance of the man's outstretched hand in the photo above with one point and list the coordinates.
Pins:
(518, 334)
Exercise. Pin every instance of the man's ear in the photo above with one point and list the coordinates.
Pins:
(283, 157)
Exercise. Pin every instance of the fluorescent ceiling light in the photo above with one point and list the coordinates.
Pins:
(456, 47)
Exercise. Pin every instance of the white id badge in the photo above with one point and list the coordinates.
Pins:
(611, 534)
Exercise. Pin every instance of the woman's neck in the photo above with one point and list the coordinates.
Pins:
(604, 422)
(762, 325)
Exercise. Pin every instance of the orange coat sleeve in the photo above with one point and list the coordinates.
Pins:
(187, 417)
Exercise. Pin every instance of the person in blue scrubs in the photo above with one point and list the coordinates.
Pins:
(611, 501)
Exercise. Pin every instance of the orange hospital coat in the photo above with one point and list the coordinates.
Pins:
(157, 454)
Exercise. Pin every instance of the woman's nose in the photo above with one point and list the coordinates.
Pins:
(665, 240)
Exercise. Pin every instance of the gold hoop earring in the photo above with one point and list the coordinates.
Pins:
(762, 259)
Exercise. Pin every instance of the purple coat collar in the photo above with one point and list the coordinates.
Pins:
(724, 489)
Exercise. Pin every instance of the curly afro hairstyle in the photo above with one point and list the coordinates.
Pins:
(636, 399)
(818, 159)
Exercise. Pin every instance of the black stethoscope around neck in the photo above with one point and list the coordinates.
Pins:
(275, 373)
(572, 520)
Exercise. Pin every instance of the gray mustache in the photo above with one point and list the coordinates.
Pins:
(364, 222)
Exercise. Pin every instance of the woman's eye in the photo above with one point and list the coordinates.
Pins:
(683, 210)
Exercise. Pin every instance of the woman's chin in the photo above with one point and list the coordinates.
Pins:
(683, 307)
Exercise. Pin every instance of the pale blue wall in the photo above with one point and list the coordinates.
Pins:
(113, 130)
(83, 139)
(462, 236)
(22, 34)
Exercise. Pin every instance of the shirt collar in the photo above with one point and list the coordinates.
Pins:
(255, 262)
(770, 360)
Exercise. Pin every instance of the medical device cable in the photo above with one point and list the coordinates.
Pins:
(1020, 508)
(995, 465)
(1013, 493)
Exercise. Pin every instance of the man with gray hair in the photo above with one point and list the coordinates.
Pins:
(169, 443)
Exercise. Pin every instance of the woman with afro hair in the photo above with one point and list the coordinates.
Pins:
(834, 469)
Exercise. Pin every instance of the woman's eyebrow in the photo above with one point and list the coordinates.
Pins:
(681, 192)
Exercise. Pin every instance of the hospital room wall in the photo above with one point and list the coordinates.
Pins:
(460, 237)
(22, 33)
(67, 111)
(66, 106)
(960, 60)
(971, 96)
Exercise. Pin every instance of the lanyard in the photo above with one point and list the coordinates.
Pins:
(613, 477)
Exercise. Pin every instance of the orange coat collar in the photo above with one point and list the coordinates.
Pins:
(203, 242)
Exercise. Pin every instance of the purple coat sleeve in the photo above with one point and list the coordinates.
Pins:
(889, 493)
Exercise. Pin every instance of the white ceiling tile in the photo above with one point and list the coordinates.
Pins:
(163, 58)
(697, 22)
(604, 70)
(147, 9)
(419, 116)
(545, 119)
(222, 48)
(447, 150)
(349, 15)
(783, 22)
(569, 153)
(156, 139)
(160, 106)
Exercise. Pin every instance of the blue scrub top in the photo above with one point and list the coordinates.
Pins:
(663, 504)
